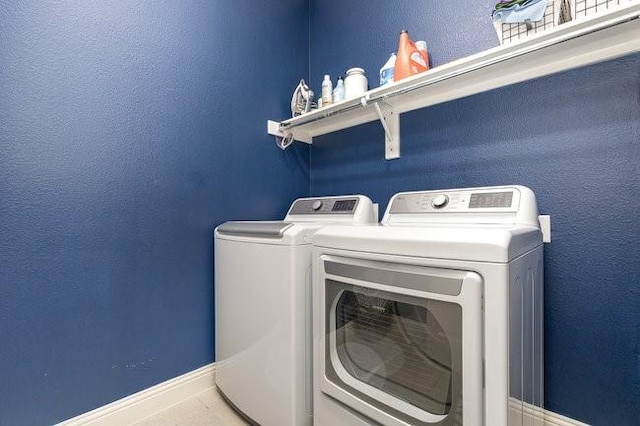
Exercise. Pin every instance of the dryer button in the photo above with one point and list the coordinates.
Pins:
(439, 201)
(316, 205)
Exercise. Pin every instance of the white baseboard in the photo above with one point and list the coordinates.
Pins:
(535, 416)
(148, 402)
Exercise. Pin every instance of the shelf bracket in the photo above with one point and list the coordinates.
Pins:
(390, 121)
(284, 139)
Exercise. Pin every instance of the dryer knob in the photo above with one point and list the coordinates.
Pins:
(439, 201)
(317, 205)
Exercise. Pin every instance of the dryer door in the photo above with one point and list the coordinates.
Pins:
(401, 343)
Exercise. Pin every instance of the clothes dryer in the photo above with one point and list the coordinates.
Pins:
(434, 318)
(263, 308)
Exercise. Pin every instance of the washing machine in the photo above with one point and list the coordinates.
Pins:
(435, 317)
(263, 308)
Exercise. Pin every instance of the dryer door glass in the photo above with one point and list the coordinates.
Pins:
(400, 353)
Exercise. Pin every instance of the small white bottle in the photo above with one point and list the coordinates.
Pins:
(327, 89)
(386, 72)
(338, 92)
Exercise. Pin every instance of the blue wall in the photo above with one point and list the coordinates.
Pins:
(128, 130)
(574, 138)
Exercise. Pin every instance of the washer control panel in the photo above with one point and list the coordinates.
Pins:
(324, 206)
(480, 200)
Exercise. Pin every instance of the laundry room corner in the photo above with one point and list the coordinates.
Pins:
(129, 130)
(376, 255)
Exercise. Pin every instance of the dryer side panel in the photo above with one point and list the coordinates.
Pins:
(526, 338)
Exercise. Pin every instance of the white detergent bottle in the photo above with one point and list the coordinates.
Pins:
(327, 89)
(338, 91)
(386, 72)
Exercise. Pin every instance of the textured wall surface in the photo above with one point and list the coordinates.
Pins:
(128, 130)
(574, 138)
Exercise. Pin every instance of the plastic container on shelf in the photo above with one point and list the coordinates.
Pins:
(355, 83)
(327, 89)
(386, 72)
(338, 91)
(422, 46)
(410, 60)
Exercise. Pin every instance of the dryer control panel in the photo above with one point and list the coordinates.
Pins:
(498, 204)
(504, 199)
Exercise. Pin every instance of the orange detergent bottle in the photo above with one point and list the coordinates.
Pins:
(410, 60)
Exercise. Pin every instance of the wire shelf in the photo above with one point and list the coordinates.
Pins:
(556, 14)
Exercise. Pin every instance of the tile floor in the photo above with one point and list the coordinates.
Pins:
(205, 409)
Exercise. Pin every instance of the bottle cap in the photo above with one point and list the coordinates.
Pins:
(352, 71)
(326, 77)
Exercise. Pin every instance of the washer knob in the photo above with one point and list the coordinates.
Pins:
(439, 201)
(317, 205)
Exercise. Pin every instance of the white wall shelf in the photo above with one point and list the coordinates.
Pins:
(571, 45)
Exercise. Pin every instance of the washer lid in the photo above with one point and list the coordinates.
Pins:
(267, 232)
(254, 229)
